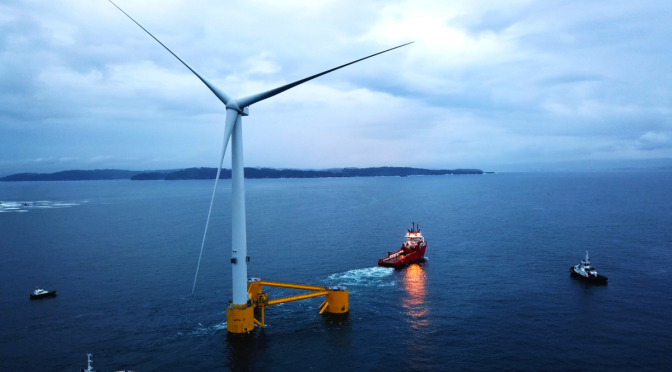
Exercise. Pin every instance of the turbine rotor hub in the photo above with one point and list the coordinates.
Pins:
(233, 105)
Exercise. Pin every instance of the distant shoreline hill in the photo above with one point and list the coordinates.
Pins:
(74, 175)
(210, 173)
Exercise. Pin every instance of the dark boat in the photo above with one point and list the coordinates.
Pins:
(587, 273)
(39, 293)
(412, 250)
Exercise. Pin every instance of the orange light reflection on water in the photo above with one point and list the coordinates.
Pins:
(414, 302)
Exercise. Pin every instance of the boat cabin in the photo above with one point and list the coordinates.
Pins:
(413, 236)
(584, 267)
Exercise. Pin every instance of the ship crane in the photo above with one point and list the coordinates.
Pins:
(247, 293)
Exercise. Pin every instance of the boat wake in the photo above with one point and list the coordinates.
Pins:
(376, 276)
(25, 206)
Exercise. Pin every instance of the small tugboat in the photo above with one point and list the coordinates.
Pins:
(412, 250)
(586, 272)
(39, 293)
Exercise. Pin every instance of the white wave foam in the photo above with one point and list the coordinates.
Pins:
(25, 206)
(369, 272)
(371, 275)
(200, 331)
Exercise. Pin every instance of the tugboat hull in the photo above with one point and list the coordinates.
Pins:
(50, 293)
(600, 279)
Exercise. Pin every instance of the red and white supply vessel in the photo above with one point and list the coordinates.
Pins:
(412, 250)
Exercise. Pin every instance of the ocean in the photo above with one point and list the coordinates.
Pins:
(494, 293)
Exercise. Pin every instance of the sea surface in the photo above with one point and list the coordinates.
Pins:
(494, 293)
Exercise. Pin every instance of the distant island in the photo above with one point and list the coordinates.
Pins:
(210, 173)
(74, 175)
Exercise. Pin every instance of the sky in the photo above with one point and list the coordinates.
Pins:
(486, 84)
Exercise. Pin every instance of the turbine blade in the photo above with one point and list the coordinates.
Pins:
(246, 101)
(220, 94)
(231, 118)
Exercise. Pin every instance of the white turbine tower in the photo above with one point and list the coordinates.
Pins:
(239, 312)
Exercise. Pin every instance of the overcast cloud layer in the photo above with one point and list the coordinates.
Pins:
(485, 83)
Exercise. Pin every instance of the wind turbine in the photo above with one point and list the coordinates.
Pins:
(240, 312)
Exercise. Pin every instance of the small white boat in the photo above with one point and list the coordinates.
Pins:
(39, 293)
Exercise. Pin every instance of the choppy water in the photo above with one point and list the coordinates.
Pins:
(495, 292)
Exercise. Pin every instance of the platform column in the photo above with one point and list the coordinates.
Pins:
(239, 319)
(240, 313)
(337, 300)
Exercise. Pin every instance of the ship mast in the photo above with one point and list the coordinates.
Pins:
(88, 363)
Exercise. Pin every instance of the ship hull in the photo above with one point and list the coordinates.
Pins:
(599, 279)
(406, 260)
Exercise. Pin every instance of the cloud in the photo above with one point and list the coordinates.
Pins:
(261, 64)
(571, 79)
(100, 158)
(654, 141)
(484, 82)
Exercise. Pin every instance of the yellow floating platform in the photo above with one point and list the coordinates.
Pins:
(240, 318)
